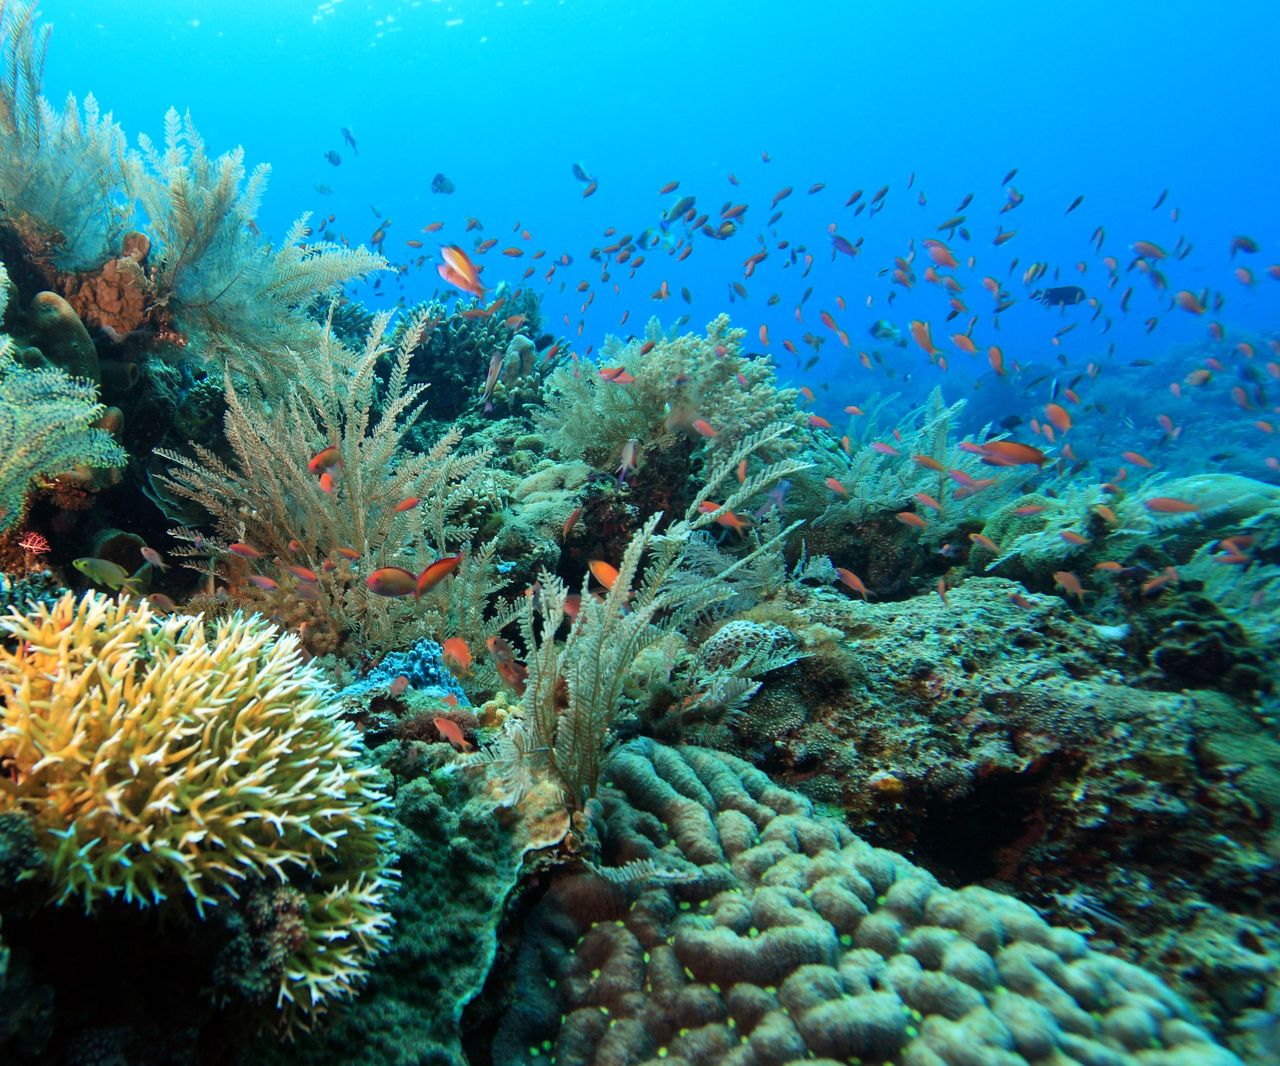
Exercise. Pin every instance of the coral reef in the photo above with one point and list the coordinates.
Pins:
(754, 932)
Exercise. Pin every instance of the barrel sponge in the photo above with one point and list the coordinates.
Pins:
(821, 948)
(160, 759)
(62, 337)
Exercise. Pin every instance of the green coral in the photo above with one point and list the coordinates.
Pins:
(46, 427)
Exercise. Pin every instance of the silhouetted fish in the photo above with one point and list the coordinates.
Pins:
(333, 158)
(1061, 295)
(441, 184)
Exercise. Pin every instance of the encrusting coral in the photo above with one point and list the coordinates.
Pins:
(157, 758)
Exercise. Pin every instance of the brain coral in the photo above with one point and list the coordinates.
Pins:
(159, 756)
(771, 936)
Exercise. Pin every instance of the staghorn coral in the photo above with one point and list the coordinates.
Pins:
(47, 427)
(157, 759)
(771, 936)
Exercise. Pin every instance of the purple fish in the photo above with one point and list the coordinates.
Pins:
(841, 245)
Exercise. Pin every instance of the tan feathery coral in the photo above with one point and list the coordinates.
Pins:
(155, 755)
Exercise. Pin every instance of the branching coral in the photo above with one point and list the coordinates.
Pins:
(157, 757)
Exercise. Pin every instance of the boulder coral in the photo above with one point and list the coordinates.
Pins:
(757, 934)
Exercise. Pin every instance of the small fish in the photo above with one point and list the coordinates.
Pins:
(245, 551)
(452, 732)
(105, 572)
(1069, 583)
(154, 558)
(349, 139)
(391, 581)
(853, 581)
(333, 158)
(324, 459)
(514, 673)
(458, 270)
(457, 656)
(1011, 453)
(1169, 505)
(491, 379)
(436, 572)
(441, 184)
(605, 573)
(569, 523)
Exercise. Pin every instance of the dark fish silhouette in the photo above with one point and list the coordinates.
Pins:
(333, 158)
(346, 136)
(442, 184)
(580, 172)
(1060, 296)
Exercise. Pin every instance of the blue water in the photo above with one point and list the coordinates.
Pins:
(1115, 102)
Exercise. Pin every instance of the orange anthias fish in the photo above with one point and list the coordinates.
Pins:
(920, 334)
(459, 271)
(1069, 583)
(514, 673)
(457, 656)
(324, 459)
(452, 732)
(1011, 453)
(396, 581)
(853, 581)
(436, 572)
(391, 581)
(605, 573)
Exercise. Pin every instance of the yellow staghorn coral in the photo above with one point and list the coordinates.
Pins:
(155, 755)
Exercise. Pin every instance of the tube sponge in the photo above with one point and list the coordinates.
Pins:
(160, 757)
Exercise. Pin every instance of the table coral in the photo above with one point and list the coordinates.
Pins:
(767, 935)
